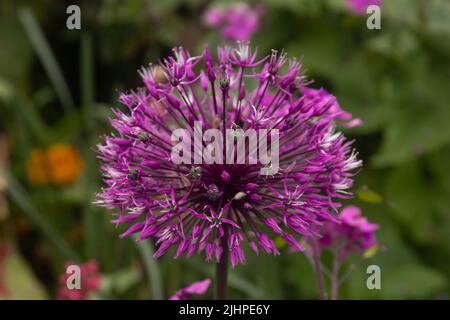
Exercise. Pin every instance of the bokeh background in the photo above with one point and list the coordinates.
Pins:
(57, 87)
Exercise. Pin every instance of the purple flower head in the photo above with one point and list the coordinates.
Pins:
(207, 207)
(359, 6)
(237, 22)
(196, 288)
(353, 233)
(344, 118)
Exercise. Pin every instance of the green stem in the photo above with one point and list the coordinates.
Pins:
(48, 60)
(146, 251)
(423, 13)
(318, 271)
(87, 80)
(20, 197)
(235, 281)
(92, 228)
(335, 277)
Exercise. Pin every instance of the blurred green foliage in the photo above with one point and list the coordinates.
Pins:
(396, 79)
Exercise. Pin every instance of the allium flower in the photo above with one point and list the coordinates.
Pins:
(359, 6)
(216, 208)
(90, 282)
(354, 233)
(237, 22)
(196, 288)
(343, 117)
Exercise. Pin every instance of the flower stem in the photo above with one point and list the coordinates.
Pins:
(423, 13)
(318, 272)
(222, 272)
(224, 123)
(335, 278)
(146, 250)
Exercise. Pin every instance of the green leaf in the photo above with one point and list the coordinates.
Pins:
(87, 97)
(420, 118)
(399, 264)
(367, 195)
(299, 273)
(369, 253)
(438, 164)
(20, 281)
(34, 122)
(320, 50)
(412, 282)
(42, 48)
(6, 90)
(19, 195)
(151, 267)
(119, 282)
(408, 192)
(15, 52)
(403, 12)
(438, 15)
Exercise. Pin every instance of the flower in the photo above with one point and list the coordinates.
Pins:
(359, 6)
(354, 233)
(90, 282)
(345, 118)
(65, 164)
(197, 288)
(201, 208)
(60, 163)
(237, 22)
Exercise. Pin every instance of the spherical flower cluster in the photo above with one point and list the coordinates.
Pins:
(354, 233)
(342, 117)
(90, 280)
(216, 208)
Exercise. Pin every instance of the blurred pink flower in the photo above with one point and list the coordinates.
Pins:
(90, 282)
(197, 288)
(354, 233)
(238, 22)
(359, 6)
(213, 17)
